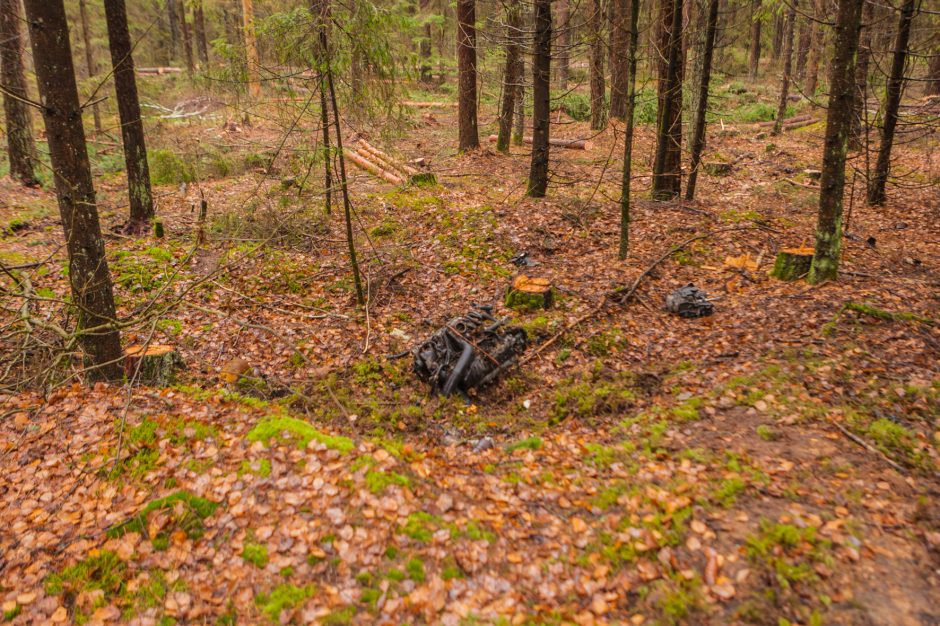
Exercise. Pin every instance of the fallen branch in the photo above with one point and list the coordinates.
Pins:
(570, 144)
(848, 433)
(159, 71)
(429, 105)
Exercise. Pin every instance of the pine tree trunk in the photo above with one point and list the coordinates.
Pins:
(199, 26)
(620, 12)
(541, 76)
(893, 90)
(518, 131)
(932, 86)
(779, 22)
(320, 11)
(817, 43)
(252, 63)
(754, 58)
(187, 39)
(564, 44)
(628, 132)
(698, 139)
(838, 120)
(132, 128)
(510, 74)
(88, 267)
(21, 150)
(598, 89)
(424, 48)
(696, 38)
(90, 65)
(667, 173)
(860, 104)
(173, 15)
(805, 39)
(469, 138)
(787, 67)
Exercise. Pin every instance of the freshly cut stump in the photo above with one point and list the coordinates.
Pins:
(529, 293)
(153, 364)
(792, 263)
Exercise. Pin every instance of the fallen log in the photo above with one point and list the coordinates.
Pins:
(570, 144)
(159, 71)
(372, 168)
(429, 105)
(405, 169)
(795, 118)
(794, 124)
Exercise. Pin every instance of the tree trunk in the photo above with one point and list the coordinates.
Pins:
(173, 15)
(510, 74)
(88, 267)
(932, 86)
(541, 107)
(90, 65)
(132, 128)
(667, 172)
(817, 43)
(19, 124)
(860, 103)
(805, 39)
(469, 138)
(698, 139)
(424, 47)
(319, 9)
(199, 26)
(518, 131)
(893, 90)
(564, 44)
(754, 58)
(628, 132)
(787, 67)
(779, 23)
(252, 63)
(598, 89)
(838, 119)
(187, 39)
(619, 13)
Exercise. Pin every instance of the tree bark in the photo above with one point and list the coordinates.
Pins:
(805, 39)
(424, 47)
(541, 107)
(132, 127)
(199, 26)
(893, 90)
(625, 216)
(754, 57)
(90, 65)
(598, 89)
(518, 131)
(817, 43)
(187, 39)
(21, 150)
(564, 44)
(619, 14)
(932, 86)
(698, 139)
(468, 135)
(667, 173)
(860, 103)
(88, 267)
(787, 68)
(252, 63)
(510, 73)
(779, 23)
(838, 119)
(173, 15)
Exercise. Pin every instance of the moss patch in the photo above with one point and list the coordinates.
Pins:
(289, 429)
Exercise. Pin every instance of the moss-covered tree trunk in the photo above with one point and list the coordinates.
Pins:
(541, 75)
(787, 68)
(19, 124)
(628, 132)
(838, 121)
(698, 136)
(468, 135)
(510, 73)
(667, 164)
(893, 91)
(88, 267)
(132, 127)
(598, 88)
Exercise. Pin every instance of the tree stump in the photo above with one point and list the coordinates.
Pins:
(152, 365)
(717, 168)
(792, 263)
(529, 293)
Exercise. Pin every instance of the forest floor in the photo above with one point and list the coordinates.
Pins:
(775, 463)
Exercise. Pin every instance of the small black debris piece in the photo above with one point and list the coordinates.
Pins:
(689, 301)
(468, 352)
(522, 260)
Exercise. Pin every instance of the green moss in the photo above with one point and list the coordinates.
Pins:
(767, 433)
(282, 597)
(256, 554)
(728, 491)
(260, 468)
(420, 526)
(592, 396)
(167, 168)
(104, 571)
(379, 481)
(187, 510)
(529, 443)
(289, 429)
(687, 411)
(339, 617)
(415, 569)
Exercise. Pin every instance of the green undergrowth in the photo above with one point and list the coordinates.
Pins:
(594, 393)
(187, 512)
(142, 443)
(281, 598)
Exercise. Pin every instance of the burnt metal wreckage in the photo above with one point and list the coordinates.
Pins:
(468, 352)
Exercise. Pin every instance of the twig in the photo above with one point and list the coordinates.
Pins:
(845, 431)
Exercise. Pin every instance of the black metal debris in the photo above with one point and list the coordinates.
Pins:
(689, 301)
(468, 352)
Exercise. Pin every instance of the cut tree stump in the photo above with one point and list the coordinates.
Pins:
(529, 293)
(152, 365)
(792, 263)
(717, 168)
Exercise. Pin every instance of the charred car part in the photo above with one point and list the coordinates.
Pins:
(689, 302)
(468, 352)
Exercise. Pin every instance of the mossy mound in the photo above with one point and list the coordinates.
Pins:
(188, 512)
(289, 429)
